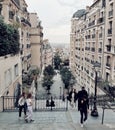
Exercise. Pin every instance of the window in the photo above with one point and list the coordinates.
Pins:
(16, 70)
(8, 77)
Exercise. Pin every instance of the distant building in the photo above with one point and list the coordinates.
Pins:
(47, 53)
(36, 36)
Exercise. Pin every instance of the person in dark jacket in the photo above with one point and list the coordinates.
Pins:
(83, 105)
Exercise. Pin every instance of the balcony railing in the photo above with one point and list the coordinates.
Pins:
(110, 31)
(100, 20)
(92, 62)
(11, 15)
(93, 49)
(91, 23)
(93, 35)
(100, 35)
(110, 14)
(23, 20)
(108, 65)
(100, 50)
(108, 48)
(88, 36)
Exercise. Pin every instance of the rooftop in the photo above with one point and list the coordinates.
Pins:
(79, 13)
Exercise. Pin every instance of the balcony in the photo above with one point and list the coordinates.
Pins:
(93, 35)
(100, 35)
(25, 21)
(21, 52)
(108, 48)
(29, 56)
(110, 31)
(100, 50)
(108, 65)
(41, 34)
(92, 62)
(93, 49)
(88, 36)
(28, 46)
(110, 14)
(91, 23)
(100, 20)
(87, 48)
(11, 15)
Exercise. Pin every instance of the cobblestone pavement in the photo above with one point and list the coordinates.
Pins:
(56, 121)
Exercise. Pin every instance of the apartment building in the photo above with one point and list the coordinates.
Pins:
(36, 35)
(10, 78)
(109, 48)
(89, 40)
(25, 46)
(15, 12)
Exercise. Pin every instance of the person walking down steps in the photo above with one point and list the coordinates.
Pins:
(30, 109)
(22, 105)
(73, 97)
(83, 105)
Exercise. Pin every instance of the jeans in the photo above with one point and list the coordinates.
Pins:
(20, 110)
(83, 115)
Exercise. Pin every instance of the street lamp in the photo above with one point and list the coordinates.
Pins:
(94, 111)
(60, 92)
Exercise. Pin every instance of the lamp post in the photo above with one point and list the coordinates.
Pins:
(94, 111)
(60, 92)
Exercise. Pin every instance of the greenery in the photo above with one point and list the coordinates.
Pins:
(30, 76)
(9, 39)
(48, 78)
(57, 61)
(67, 77)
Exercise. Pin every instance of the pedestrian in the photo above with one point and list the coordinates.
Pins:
(83, 105)
(22, 105)
(73, 97)
(30, 108)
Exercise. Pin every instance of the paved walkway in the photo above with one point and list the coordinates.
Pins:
(57, 121)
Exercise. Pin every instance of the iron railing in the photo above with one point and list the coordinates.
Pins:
(10, 103)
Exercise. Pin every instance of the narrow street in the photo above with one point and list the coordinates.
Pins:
(56, 89)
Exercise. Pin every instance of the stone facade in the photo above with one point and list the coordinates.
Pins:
(91, 40)
(15, 12)
(36, 36)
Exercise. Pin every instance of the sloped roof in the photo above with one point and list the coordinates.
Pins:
(79, 13)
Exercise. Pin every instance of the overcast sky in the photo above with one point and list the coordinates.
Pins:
(56, 17)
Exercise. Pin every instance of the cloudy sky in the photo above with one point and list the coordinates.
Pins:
(56, 16)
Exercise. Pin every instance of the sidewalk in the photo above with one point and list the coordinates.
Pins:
(56, 121)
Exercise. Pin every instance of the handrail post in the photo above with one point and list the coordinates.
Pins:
(103, 115)
(51, 102)
(3, 102)
(66, 105)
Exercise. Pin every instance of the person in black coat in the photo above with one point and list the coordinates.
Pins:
(83, 105)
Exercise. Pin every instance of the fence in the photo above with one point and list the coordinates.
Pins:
(10, 103)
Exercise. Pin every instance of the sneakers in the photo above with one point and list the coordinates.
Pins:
(31, 120)
(19, 118)
(85, 122)
(26, 120)
(81, 125)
